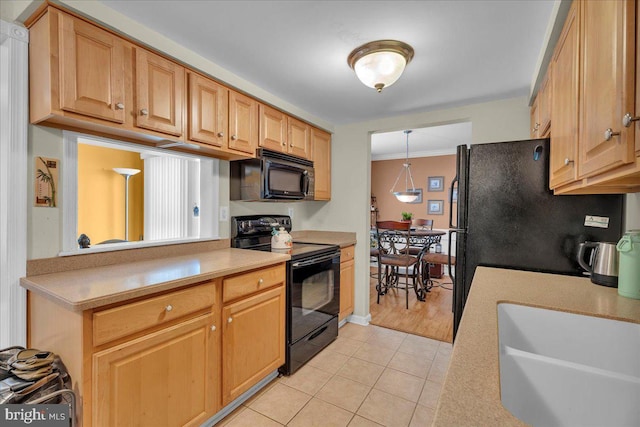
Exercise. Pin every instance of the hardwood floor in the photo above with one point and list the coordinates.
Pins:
(432, 318)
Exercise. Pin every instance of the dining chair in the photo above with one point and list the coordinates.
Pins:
(424, 224)
(392, 255)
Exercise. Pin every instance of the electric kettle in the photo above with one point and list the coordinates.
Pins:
(603, 262)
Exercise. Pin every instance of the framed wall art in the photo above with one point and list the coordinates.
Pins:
(435, 183)
(435, 207)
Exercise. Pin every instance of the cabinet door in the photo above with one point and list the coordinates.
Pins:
(273, 129)
(299, 136)
(535, 124)
(160, 93)
(91, 71)
(564, 98)
(208, 112)
(544, 106)
(253, 341)
(321, 147)
(347, 281)
(134, 383)
(608, 58)
(243, 123)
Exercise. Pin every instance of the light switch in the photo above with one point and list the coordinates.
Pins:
(290, 212)
(224, 213)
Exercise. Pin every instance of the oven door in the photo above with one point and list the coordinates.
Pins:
(285, 181)
(314, 293)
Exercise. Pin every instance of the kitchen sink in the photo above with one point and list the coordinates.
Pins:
(565, 369)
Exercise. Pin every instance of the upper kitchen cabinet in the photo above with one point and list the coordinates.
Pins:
(243, 123)
(541, 111)
(321, 146)
(608, 60)
(273, 129)
(160, 93)
(565, 70)
(208, 111)
(75, 69)
(593, 146)
(299, 138)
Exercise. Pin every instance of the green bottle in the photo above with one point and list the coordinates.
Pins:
(629, 271)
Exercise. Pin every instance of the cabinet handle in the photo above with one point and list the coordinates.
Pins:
(290, 144)
(609, 133)
(284, 144)
(628, 119)
(213, 328)
(119, 106)
(168, 308)
(536, 126)
(260, 281)
(567, 161)
(233, 137)
(229, 320)
(220, 134)
(144, 112)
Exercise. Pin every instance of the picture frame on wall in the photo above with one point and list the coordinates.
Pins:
(435, 183)
(419, 199)
(435, 207)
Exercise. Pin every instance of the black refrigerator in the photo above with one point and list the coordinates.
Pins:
(507, 217)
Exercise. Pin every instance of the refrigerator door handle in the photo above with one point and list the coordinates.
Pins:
(453, 183)
(451, 273)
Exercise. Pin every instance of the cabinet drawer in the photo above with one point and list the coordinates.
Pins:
(127, 319)
(346, 254)
(248, 283)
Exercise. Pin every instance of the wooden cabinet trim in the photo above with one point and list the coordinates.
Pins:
(249, 283)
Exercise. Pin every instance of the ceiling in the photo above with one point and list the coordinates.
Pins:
(465, 51)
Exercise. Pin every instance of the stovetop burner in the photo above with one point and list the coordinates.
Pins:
(254, 232)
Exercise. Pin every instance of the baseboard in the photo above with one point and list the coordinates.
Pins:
(359, 320)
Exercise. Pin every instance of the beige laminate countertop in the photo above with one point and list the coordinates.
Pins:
(340, 238)
(471, 391)
(79, 290)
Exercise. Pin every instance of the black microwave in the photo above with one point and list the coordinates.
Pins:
(272, 176)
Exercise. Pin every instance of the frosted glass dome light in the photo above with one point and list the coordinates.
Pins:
(380, 63)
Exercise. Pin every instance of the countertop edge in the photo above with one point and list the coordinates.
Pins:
(31, 283)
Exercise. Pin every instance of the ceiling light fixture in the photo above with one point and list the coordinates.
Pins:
(380, 63)
(408, 195)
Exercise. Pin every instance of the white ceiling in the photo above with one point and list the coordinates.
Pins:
(465, 51)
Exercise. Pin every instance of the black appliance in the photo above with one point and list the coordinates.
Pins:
(272, 176)
(507, 217)
(313, 286)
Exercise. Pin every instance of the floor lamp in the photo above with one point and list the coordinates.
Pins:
(126, 173)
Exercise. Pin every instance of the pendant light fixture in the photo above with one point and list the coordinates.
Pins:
(409, 194)
(380, 63)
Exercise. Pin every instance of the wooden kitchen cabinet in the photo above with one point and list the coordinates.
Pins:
(253, 336)
(605, 150)
(243, 123)
(163, 378)
(160, 93)
(321, 148)
(76, 70)
(541, 111)
(299, 138)
(273, 129)
(152, 361)
(347, 282)
(208, 111)
(608, 59)
(564, 103)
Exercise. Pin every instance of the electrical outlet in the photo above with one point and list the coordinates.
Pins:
(224, 213)
(290, 210)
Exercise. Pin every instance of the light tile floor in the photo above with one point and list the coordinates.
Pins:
(369, 376)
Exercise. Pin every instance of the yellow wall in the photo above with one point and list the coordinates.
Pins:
(101, 194)
(385, 172)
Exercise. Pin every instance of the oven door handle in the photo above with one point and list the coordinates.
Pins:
(315, 260)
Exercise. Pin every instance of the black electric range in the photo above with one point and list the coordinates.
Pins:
(312, 289)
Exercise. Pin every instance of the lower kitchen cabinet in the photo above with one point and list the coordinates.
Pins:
(163, 378)
(253, 335)
(347, 282)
